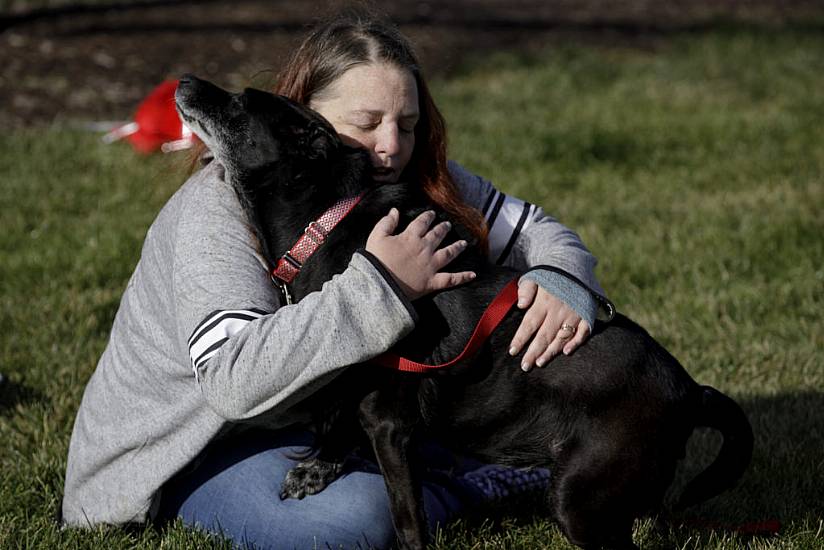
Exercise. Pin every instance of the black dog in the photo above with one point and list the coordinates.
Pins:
(610, 421)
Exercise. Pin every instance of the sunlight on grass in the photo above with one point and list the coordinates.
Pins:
(695, 173)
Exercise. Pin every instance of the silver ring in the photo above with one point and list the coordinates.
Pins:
(567, 326)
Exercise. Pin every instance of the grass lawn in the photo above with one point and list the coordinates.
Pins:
(694, 171)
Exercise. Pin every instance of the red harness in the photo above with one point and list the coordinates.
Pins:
(289, 265)
(313, 237)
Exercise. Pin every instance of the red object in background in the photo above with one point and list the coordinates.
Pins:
(156, 125)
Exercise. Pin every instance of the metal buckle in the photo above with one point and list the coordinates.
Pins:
(291, 259)
(320, 233)
(283, 289)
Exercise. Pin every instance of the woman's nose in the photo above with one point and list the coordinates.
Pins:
(388, 142)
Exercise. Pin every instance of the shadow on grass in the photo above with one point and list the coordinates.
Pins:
(13, 394)
(779, 493)
(783, 483)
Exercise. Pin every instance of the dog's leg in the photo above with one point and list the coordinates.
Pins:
(591, 530)
(309, 477)
(592, 500)
(335, 429)
(389, 417)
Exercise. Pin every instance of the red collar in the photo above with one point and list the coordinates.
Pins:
(313, 237)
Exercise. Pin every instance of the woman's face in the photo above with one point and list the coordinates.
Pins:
(374, 106)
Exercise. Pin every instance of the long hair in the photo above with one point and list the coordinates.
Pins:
(358, 37)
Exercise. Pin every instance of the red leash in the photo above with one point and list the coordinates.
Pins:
(491, 318)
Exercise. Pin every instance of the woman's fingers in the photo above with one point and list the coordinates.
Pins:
(532, 321)
(386, 225)
(420, 225)
(442, 281)
(413, 257)
(537, 347)
(566, 333)
(548, 342)
(436, 235)
(581, 335)
(548, 328)
(526, 293)
(444, 255)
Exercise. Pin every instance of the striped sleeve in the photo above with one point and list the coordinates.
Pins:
(215, 330)
(522, 236)
(506, 218)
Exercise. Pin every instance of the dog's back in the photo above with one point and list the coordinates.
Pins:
(611, 422)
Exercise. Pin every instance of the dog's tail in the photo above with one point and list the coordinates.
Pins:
(719, 412)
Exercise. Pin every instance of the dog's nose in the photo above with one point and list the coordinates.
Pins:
(190, 88)
(186, 79)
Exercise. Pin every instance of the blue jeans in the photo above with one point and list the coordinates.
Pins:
(234, 491)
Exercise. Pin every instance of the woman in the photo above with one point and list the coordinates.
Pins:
(194, 410)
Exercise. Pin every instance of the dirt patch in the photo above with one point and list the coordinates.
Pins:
(81, 62)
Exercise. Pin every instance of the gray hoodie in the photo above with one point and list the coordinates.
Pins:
(201, 344)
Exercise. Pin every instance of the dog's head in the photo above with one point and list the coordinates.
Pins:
(270, 146)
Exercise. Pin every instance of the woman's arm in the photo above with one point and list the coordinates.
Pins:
(274, 361)
(560, 288)
(249, 355)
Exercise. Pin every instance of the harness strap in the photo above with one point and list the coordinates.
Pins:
(288, 265)
(491, 318)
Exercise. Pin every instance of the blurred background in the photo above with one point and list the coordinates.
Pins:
(63, 60)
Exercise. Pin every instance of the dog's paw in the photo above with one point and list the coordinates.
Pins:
(309, 477)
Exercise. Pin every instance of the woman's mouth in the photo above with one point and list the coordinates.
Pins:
(380, 173)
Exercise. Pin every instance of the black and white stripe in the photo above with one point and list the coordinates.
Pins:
(506, 218)
(215, 329)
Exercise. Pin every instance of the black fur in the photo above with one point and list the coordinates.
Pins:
(610, 421)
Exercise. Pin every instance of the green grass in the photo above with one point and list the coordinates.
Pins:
(695, 172)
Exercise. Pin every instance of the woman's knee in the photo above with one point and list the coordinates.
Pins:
(352, 512)
(322, 521)
(235, 491)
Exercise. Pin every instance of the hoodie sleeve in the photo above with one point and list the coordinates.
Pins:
(523, 236)
(248, 353)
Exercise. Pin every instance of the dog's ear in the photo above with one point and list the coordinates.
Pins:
(320, 142)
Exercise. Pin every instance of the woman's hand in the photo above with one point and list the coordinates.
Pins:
(413, 257)
(552, 326)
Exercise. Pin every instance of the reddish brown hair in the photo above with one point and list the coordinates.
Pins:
(358, 37)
